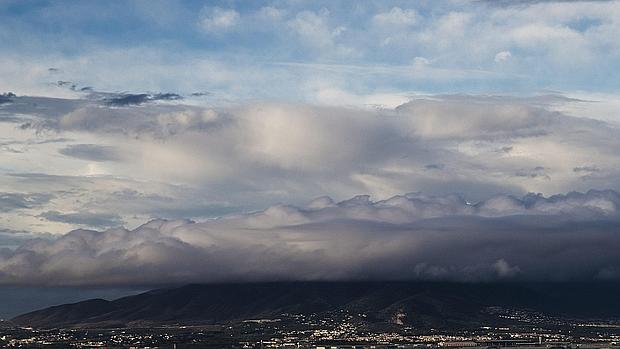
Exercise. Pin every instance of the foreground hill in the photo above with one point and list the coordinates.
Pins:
(414, 303)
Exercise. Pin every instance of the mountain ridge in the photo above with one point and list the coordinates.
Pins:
(426, 304)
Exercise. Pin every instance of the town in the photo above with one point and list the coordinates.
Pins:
(336, 331)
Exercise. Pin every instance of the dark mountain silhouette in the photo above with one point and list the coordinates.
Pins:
(424, 304)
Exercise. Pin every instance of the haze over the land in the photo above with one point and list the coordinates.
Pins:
(150, 143)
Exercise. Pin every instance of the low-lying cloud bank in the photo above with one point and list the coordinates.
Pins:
(409, 237)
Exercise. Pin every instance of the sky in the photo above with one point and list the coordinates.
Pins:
(149, 143)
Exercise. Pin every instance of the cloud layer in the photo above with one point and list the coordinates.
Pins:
(83, 162)
(183, 110)
(408, 237)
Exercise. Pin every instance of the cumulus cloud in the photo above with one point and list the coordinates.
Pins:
(246, 156)
(407, 237)
(93, 159)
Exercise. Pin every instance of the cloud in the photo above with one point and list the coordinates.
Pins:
(17, 201)
(407, 237)
(6, 97)
(215, 19)
(315, 31)
(124, 100)
(137, 99)
(587, 169)
(502, 56)
(160, 120)
(229, 152)
(87, 219)
(450, 118)
(313, 27)
(463, 37)
(396, 17)
(529, 2)
(11, 239)
(91, 152)
(243, 157)
(270, 13)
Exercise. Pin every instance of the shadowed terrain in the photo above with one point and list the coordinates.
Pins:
(423, 304)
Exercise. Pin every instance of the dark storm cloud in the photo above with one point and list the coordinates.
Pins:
(91, 152)
(122, 100)
(6, 97)
(408, 237)
(129, 99)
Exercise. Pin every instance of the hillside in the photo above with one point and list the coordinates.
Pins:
(423, 304)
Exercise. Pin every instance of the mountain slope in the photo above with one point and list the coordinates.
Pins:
(427, 304)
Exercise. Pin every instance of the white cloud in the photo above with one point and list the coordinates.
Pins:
(270, 13)
(218, 19)
(455, 37)
(191, 161)
(313, 28)
(502, 56)
(396, 17)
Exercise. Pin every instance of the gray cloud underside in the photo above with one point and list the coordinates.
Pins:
(6, 97)
(83, 218)
(16, 201)
(10, 239)
(137, 99)
(91, 152)
(563, 237)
